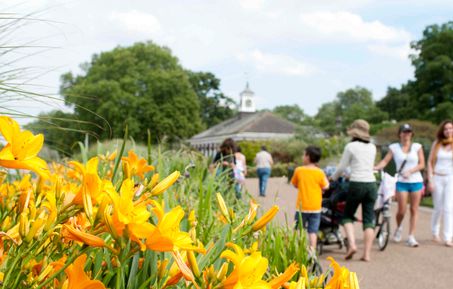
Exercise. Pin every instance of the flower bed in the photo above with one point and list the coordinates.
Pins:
(115, 222)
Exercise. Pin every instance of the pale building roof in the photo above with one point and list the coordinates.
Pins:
(246, 126)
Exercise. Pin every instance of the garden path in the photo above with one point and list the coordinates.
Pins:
(428, 266)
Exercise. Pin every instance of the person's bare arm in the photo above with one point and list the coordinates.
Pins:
(384, 161)
(430, 168)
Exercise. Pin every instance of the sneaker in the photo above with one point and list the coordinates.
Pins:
(437, 239)
(411, 242)
(397, 235)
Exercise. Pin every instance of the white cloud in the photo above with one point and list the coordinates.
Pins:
(400, 51)
(348, 26)
(277, 63)
(137, 22)
(251, 4)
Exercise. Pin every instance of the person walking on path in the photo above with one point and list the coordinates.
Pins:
(310, 181)
(264, 162)
(225, 161)
(440, 181)
(359, 155)
(409, 160)
(240, 171)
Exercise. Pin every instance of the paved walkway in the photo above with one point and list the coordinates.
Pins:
(428, 266)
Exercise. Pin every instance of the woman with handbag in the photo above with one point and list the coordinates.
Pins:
(359, 155)
(409, 160)
(440, 181)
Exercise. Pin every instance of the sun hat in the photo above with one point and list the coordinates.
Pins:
(359, 129)
(405, 128)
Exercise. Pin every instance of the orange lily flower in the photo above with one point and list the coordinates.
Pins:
(22, 148)
(136, 166)
(78, 279)
(91, 240)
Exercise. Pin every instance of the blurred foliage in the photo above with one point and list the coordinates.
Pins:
(429, 95)
(215, 106)
(354, 103)
(424, 132)
(282, 151)
(293, 113)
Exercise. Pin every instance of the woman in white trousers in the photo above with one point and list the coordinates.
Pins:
(440, 182)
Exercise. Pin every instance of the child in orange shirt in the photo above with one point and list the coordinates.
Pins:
(310, 181)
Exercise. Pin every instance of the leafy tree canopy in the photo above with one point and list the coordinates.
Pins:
(292, 113)
(215, 107)
(142, 86)
(336, 116)
(430, 94)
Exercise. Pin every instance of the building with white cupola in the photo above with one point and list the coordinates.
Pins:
(247, 124)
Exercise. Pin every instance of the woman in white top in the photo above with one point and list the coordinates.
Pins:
(359, 155)
(440, 177)
(409, 160)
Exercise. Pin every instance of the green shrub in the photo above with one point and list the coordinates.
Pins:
(424, 132)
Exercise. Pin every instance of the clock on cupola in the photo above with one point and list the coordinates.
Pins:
(247, 101)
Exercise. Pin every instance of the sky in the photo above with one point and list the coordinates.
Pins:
(290, 51)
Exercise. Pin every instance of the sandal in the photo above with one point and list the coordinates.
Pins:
(350, 254)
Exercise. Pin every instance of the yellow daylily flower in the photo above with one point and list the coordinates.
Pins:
(266, 218)
(78, 279)
(223, 207)
(21, 151)
(250, 215)
(167, 236)
(135, 165)
(249, 270)
(130, 216)
(92, 185)
(342, 277)
(300, 284)
(163, 185)
(248, 273)
(284, 277)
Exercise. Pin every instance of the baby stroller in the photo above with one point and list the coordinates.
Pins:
(333, 204)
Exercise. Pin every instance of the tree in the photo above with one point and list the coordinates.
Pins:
(327, 118)
(349, 105)
(61, 130)
(292, 113)
(215, 107)
(398, 103)
(142, 86)
(433, 63)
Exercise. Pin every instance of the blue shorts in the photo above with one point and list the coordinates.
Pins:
(310, 221)
(408, 187)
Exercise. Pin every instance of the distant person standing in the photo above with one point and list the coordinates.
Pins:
(440, 181)
(224, 160)
(264, 162)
